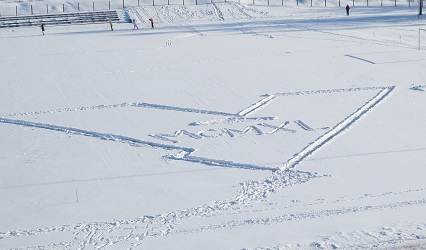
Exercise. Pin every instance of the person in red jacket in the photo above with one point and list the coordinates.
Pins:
(347, 9)
(152, 22)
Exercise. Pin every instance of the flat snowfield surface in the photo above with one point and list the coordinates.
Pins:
(226, 126)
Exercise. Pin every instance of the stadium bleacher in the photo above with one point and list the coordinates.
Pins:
(60, 18)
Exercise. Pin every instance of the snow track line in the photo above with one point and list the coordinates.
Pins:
(146, 14)
(361, 59)
(233, 120)
(169, 42)
(338, 129)
(220, 163)
(248, 31)
(217, 11)
(257, 105)
(238, 6)
(336, 201)
(300, 216)
(102, 136)
(304, 125)
(173, 108)
(193, 30)
(328, 91)
(157, 16)
(123, 105)
(388, 43)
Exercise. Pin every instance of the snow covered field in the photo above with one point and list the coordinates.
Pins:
(226, 126)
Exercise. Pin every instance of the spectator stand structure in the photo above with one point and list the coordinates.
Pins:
(60, 18)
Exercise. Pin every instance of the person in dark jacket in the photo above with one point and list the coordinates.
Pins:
(42, 28)
(152, 22)
(347, 9)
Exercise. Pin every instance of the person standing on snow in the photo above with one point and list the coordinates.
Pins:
(110, 24)
(42, 28)
(347, 9)
(135, 26)
(152, 22)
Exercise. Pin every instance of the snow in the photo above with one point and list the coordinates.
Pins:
(226, 126)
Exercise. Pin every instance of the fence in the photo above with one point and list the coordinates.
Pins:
(33, 8)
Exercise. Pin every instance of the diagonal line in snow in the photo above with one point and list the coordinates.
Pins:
(328, 91)
(123, 105)
(338, 129)
(102, 136)
(220, 163)
(233, 120)
(359, 58)
(217, 11)
(257, 105)
(173, 108)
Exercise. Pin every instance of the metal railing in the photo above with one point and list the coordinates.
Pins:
(34, 8)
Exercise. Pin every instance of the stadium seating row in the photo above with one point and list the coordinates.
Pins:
(60, 18)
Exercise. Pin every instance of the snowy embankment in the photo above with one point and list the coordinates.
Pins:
(226, 126)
